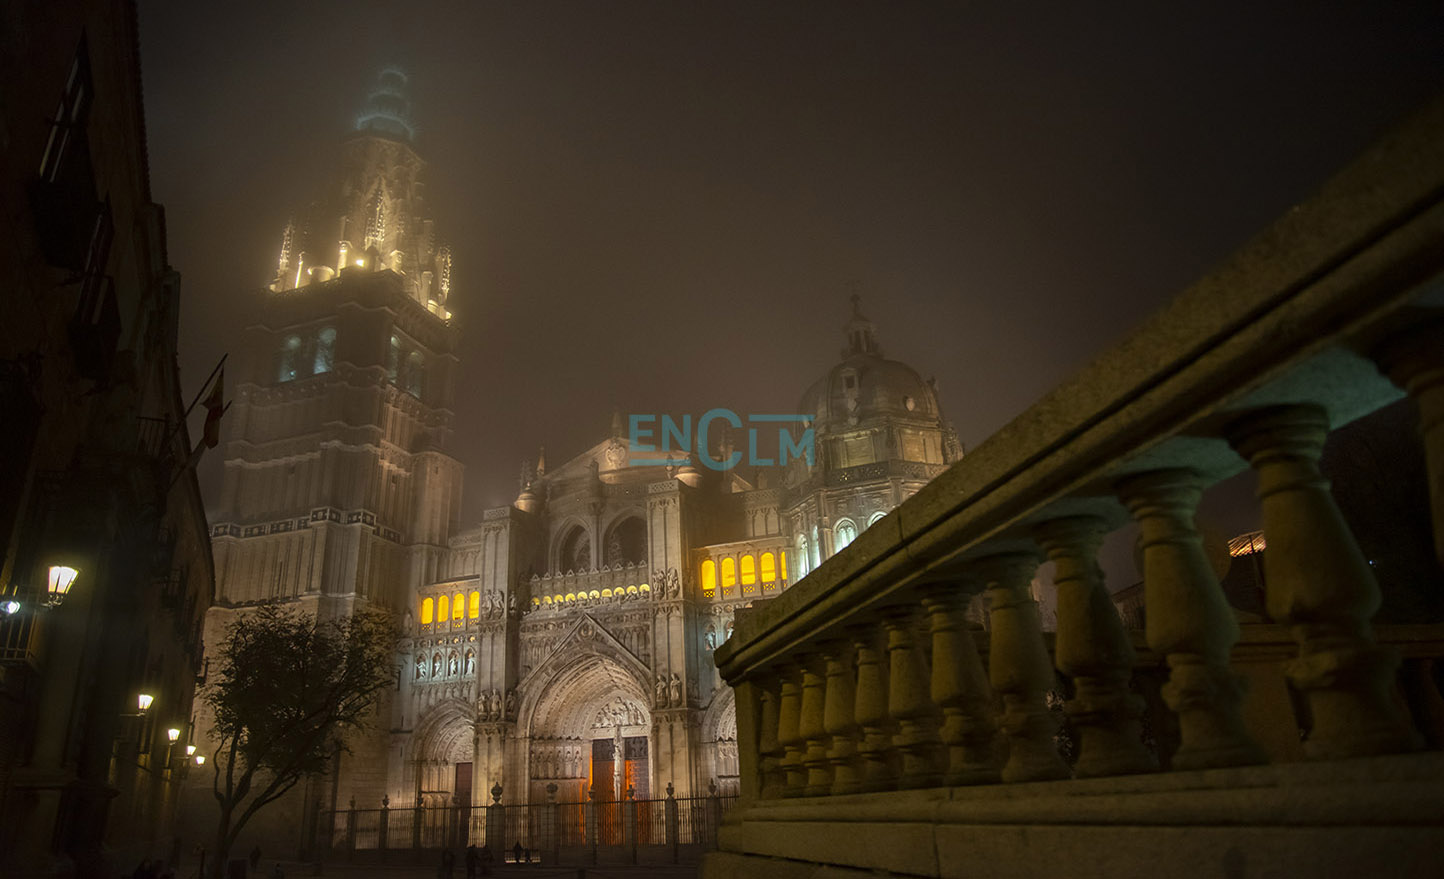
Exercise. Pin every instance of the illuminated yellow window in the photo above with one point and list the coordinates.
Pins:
(784, 564)
(442, 609)
(769, 567)
(729, 573)
(426, 611)
(749, 570)
(458, 607)
(473, 607)
(709, 577)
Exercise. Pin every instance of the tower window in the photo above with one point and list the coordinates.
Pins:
(769, 567)
(709, 578)
(290, 358)
(325, 350)
(749, 570)
(845, 533)
(393, 359)
(414, 370)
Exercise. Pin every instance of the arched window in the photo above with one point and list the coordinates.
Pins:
(876, 518)
(325, 350)
(575, 551)
(626, 542)
(729, 573)
(802, 556)
(783, 560)
(709, 577)
(473, 607)
(393, 359)
(749, 570)
(414, 370)
(843, 534)
(458, 607)
(290, 358)
(769, 567)
(816, 546)
(427, 609)
(443, 610)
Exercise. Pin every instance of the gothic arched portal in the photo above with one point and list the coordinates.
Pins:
(586, 717)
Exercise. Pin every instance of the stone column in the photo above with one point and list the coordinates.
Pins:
(1020, 670)
(1093, 649)
(767, 744)
(1189, 622)
(812, 730)
(837, 718)
(788, 734)
(1320, 586)
(870, 711)
(1415, 362)
(959, 686)
(909, 701)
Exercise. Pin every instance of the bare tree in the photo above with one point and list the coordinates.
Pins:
(288, 691)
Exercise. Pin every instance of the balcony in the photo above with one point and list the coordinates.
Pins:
(877, 734)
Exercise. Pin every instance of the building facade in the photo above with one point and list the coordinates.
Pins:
(97, 491)
(563, 643)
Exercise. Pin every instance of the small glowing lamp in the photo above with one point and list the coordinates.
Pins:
(190, 750)
(9, 606)
(361, 262)
(200, 759)
(58, 585)
(172, 735)
(144, 700)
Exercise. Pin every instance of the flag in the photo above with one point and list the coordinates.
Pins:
(215, 407)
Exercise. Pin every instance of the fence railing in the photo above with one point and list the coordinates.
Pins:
(540, 832)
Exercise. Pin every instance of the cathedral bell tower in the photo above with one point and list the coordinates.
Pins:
(338, 488)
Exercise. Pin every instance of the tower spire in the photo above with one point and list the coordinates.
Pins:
(387, 110)
(861, 334)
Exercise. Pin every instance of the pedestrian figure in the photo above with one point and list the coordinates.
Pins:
(473, 861)
(486, 857)
(516, 851)
(448, 863)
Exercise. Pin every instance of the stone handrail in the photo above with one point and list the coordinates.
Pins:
(1333, 312)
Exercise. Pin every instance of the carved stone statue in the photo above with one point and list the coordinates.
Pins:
(420, 667)
(511, 603)
(470, 662)
(511, 704)
(453, 666)
(711, 637)
(436, 665)
(661, 691)
(675, 688)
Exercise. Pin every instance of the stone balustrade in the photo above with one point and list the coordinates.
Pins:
(864, 699)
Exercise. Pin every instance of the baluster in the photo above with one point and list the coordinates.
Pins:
(1020, 669)
(1415, 362)
(870, 712)
(960, 686)
(812, 730)
(838, 722)
(1318, 583)
(768, 745)
(1189, 622)
(788, 735)
(910, 704)
(1093, 649)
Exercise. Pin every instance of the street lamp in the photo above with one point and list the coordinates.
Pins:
(190, 750)
(172, 735)
(200, 759)
(9, 606)
(58, 584)
(144, 700)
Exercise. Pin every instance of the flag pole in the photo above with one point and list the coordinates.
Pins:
(205, 386)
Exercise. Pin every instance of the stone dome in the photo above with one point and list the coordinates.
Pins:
(865, 386)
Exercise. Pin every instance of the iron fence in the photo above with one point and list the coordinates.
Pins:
(606, 830)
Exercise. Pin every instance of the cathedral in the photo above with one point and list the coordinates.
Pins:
(562, 644)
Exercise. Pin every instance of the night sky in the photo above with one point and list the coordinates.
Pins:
(664, 206)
